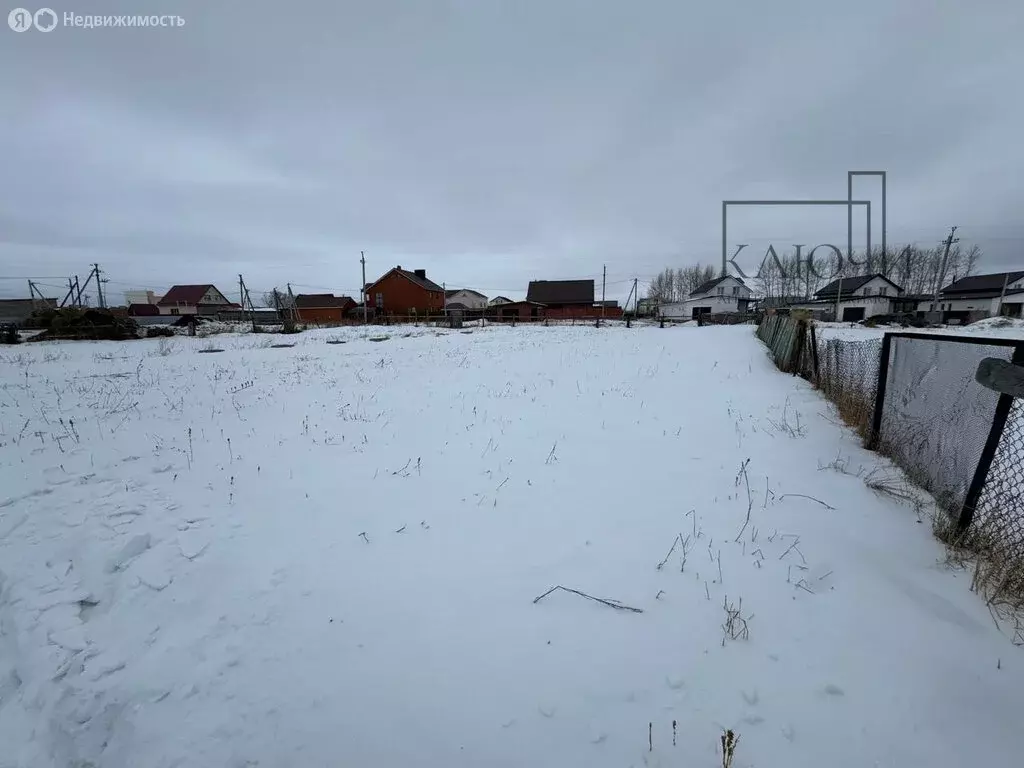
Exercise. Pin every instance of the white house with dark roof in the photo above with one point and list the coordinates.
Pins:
(728, 294)
(979, 296)
(464, 298)
(860, 297)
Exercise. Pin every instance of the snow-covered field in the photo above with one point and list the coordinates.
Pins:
(329, 555)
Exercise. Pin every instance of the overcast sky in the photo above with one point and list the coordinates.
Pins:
(492, 143)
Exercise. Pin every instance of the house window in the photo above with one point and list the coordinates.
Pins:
(380, 300)
(883, 291)
(735, 290)
(174, 310)
(721, 290)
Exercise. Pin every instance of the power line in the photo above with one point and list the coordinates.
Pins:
(42, 277)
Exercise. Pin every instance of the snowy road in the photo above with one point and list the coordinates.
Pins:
(328, 555)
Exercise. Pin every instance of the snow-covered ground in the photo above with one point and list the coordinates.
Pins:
(329, 555)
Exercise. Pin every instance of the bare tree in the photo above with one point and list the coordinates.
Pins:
(277, 299)
(678, 283)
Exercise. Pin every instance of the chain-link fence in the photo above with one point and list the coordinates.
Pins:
(999, 513)
(848, 376)
(914, 397)
(935, 417)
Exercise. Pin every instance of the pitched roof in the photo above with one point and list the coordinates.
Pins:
(321, 301)
(185, 294)
(506, 299)
(422, 282)
(448, 294)
(993, 282)
(561, 291)
(705, 287)
(851, 284)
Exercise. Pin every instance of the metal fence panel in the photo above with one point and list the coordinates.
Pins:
(848, 376)
(935, 416)
(999, 513)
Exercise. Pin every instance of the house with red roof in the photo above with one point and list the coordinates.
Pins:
(194, 300)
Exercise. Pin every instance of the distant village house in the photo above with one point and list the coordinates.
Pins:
(727, 294)
(322, 307)
(464, 298)
(194, 300)
(402, 292)
(979, 296)
(563, 298)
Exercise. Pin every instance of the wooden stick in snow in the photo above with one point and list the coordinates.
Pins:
(610, 603)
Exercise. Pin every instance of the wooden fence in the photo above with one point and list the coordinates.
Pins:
(793, 344)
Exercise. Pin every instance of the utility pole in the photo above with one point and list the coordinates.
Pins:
(604, 282)
(839, 293)
(70, 294)
(1002, 294)
(362, 285)
(243, 298)
(99, 285)
(292, 309)
(945, 260)
(33, 293)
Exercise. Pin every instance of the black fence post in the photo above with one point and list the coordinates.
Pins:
(883, 378)
(1003, 406)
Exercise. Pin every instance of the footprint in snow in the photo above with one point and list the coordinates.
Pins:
(834, 690)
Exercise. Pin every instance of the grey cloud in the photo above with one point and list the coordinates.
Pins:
(494, 142)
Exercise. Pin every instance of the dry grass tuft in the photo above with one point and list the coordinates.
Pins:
(736, 626)
(997, 569)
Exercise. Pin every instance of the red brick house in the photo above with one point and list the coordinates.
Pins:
(194, 300)
(401, 292)
(322, 307)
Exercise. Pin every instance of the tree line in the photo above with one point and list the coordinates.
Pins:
(918, 271)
